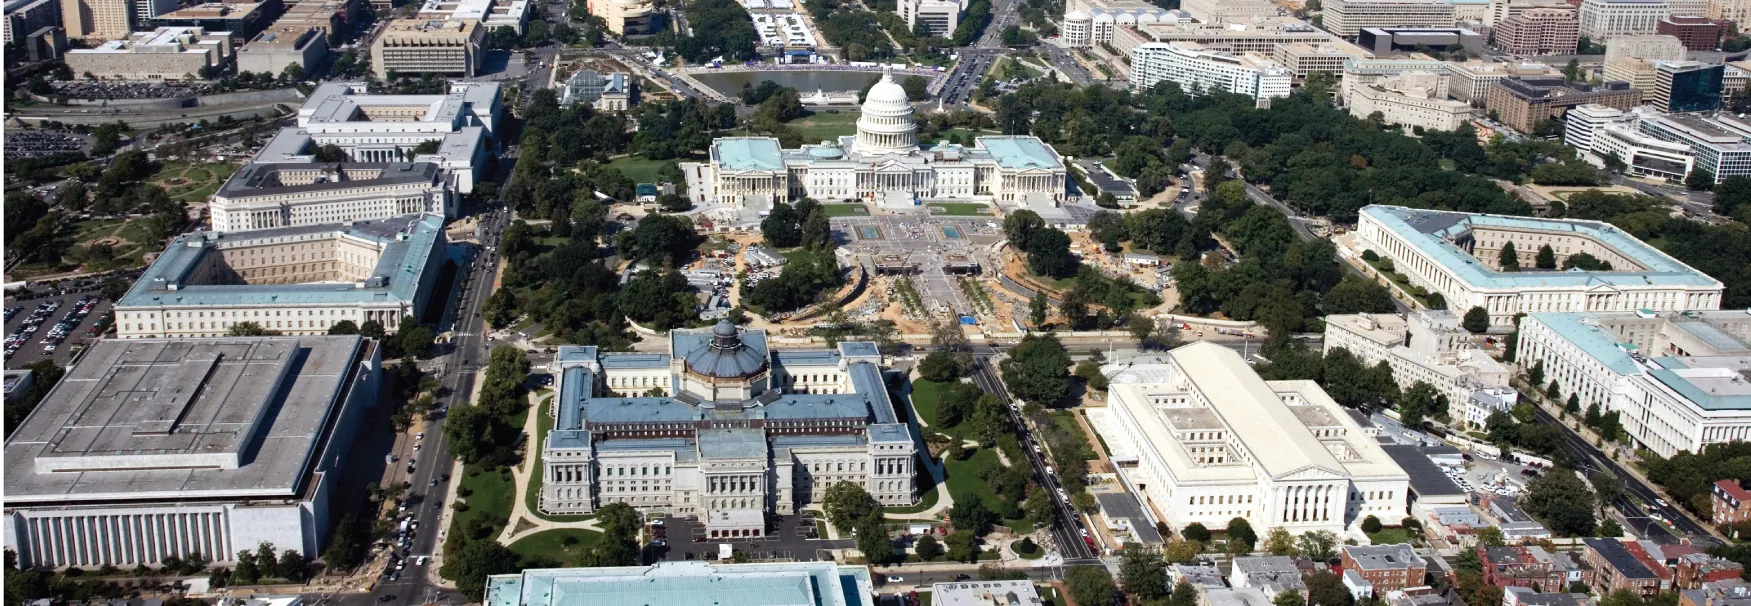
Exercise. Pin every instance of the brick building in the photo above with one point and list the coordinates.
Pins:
(1389, 568)
(1539, 31)
(1697, 33)
(1528, 566)
(1618, 565)
(1732, 503)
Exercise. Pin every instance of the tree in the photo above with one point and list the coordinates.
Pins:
(1144, 573)
(1477, 320)
(1196, 532)
(1240, 533)
(246, 572)
(963, 546)
(1491, 537)
(344, 327)
(1609, 529)
(917, 88)
(1020, 226)
(250, 329)
(847, 502)
(816, 231)
(1699, 179)
(970, 514)
(872, 538)
(1371, 524)
(290, 566)
(1182, 550)
(1279, 542)
(1048, 254)
(414, 339)
(1091, 586)
(1038, 306)
(1508, 259)
(940, 366)
(1419, 401)
(1622, 597)
(477, 561)
(1289, 597)
(1355, 294)
(1326, 589)
(1038, 370)
(1038, 508)
(1562, 501)
(1319, 546)
(329, 153)
(1546, 257)
(927, 548)
(1141, 327)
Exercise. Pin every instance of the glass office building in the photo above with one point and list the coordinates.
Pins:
(1687, 86)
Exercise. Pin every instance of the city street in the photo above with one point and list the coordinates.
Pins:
(1589, 459)
(465, 358)
(1068, 532)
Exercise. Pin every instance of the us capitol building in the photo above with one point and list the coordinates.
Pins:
(722, 428)
(883, 163)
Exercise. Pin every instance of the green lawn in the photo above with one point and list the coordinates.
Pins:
(490, 496)
(202, 179)
(965, 478)
(925, 395)
(639, 169)
(959, 209)
(562, 548)
(532, 494)
(845, 210)
(1390, 536)
(826, 125)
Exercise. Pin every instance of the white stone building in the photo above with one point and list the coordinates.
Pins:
(1195, 69)
(187, 446)
(1205, 440)
(1429, 347)
(274, 195)
(940, 17)
(463, 122)
(1455, 255)
(296, 280)
(1409, 99)
(1677, 379)
(1603, 20)
(1347, 18)
(884, 162)
(723, 428)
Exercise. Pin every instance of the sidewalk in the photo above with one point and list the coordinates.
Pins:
(524, 522)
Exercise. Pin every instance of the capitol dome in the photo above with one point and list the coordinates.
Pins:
(886, 125)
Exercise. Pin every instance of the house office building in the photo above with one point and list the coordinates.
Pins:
(1644, 155)
(423, 46)
(1456, 254)
(1195, 69)
(296, 280)
(1676, 378)
(170, 447)
(297, 194)
(1211, 441)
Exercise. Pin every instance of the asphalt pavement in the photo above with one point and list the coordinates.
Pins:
(433, 460)
(1589, 459)
(1069, 534)
(33, 348)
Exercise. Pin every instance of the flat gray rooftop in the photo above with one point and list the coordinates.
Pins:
(142, 419)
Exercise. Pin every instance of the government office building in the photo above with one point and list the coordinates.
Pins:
(296, 280)
(295, 194)
(153, 448)
(1677, 379)
(687, 583)
(1456, 255)
(723, 428)
(386, 129)
(1205, 440)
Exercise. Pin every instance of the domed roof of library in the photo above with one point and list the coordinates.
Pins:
(725, 356)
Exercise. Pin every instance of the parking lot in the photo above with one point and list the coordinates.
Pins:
(790, 541)
(26, 344)
(36, 143)
(128, 90)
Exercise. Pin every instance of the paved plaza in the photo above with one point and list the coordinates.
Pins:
(928, 243)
